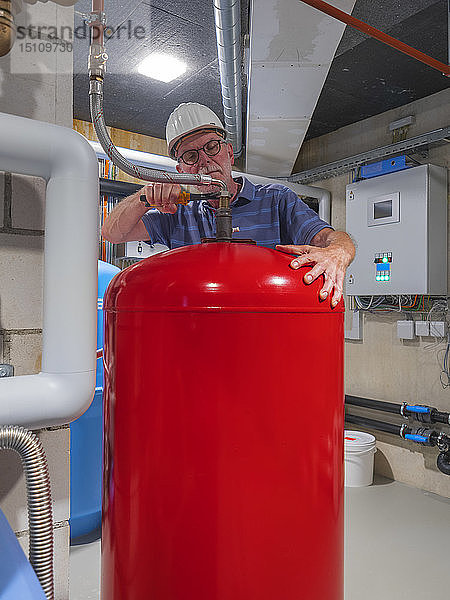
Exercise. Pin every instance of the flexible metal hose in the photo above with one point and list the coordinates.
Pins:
(96, 105)
(40, 517)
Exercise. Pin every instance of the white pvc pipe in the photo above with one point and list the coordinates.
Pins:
(65, 387)
(156, 161)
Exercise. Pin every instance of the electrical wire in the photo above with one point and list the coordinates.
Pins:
(427, 308)
(445, 374)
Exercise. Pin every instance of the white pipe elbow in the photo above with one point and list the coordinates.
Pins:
(65, 159)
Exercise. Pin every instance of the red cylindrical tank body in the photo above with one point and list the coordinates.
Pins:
(224, 414)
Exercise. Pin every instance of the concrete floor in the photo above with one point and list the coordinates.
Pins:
(396, 547)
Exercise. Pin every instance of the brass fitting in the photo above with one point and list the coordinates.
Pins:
(7, 27)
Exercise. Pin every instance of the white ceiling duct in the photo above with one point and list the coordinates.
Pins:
(292, 46)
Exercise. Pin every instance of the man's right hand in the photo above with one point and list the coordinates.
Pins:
(162, 196)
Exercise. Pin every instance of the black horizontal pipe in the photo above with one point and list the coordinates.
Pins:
(119, 189)
(432, 416)
(373, 424)
(122, 189)
(440, 417)
(434, 437)
(374, 404)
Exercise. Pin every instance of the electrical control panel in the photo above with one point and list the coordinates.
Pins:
(399, 224)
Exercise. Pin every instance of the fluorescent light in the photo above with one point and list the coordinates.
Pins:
(162, 67)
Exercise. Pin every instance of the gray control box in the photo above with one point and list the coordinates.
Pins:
(399, 224)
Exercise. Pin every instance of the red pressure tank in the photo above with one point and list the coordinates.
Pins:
(224, 408)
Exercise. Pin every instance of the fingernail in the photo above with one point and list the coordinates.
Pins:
(308, 277)
(334, 303)
(295, 264)
(323, 295)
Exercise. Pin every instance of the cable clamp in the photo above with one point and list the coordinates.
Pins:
(403, 409)
(402, 430)
(94, 18)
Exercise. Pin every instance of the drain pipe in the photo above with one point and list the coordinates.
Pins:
(65, 387)
(40, 517)
(420, 435)
(227, 16)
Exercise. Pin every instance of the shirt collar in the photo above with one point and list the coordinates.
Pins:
(247, 193)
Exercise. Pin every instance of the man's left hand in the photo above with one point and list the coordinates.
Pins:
(331, 261)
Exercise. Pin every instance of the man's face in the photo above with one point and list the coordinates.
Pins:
(218, 166)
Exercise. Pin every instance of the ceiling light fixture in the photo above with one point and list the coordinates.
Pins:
(162, 67)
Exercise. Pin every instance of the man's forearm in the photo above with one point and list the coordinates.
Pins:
(123, 219)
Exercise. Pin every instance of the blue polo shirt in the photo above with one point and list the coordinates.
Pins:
(268, 214)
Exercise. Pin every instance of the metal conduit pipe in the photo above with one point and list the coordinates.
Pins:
(420, 435)
(422, 413)
(227, 16)
(40, 516)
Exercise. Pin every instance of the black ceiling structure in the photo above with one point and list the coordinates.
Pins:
(366, 77)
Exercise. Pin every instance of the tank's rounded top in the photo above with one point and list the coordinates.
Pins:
(217, 276)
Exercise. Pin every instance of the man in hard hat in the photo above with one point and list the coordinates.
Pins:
(272, 215)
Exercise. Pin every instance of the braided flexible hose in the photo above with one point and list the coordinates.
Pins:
(96, 106)
(40, 517)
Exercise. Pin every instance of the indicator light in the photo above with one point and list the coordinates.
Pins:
(378, 278)
(385, 259)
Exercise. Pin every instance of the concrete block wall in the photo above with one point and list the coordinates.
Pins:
(381, 366)
(38, 89)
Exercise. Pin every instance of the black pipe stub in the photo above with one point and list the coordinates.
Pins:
(443, 462)
(230, 240)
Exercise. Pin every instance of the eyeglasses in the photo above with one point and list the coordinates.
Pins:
(211, 148)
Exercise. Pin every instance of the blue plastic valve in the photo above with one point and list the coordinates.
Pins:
(418, 409)
(416, 438)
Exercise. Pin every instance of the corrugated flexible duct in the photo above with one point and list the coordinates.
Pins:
(40, 512)
(227, 15)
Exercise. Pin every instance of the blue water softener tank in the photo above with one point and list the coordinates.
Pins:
(86, 438)
(17, 578)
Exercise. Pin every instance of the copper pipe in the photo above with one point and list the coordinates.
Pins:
(98, 6)
(378, 35)
(7, 27)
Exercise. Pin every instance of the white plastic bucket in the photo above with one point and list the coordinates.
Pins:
(359, 451)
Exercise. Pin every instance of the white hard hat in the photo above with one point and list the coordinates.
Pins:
(187, 118)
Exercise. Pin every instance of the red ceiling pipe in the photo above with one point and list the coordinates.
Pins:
(378, 35)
